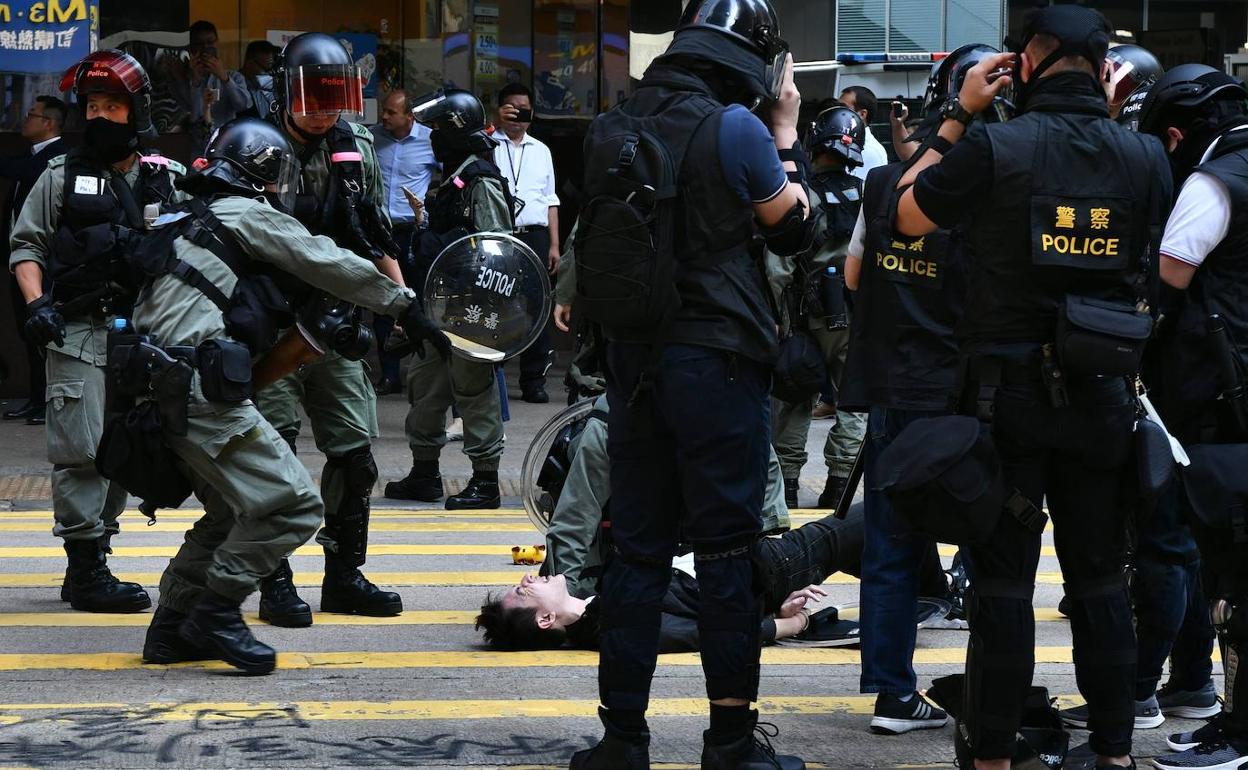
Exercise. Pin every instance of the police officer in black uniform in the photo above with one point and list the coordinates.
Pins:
(1058, 203)
(689, 414)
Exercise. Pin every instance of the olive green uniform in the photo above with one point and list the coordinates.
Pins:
(335, 392)
(259, 501)
(85, 505)
(433, 385)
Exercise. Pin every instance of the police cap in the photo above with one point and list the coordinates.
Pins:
(1079, 31)
(1184, 88)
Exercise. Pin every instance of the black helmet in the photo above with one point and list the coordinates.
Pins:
(1127, 67)
(457, 119)
(314, 75)
(753, 25)
(839, 129)
(246, 157)
(1129, 111)
(114, 72)
(1185, 87)
(946, 79)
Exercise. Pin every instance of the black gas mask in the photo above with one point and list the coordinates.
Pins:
(110, 141)
(1080, 31)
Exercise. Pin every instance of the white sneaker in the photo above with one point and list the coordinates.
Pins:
(455, 431)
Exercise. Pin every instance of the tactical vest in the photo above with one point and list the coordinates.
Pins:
(84, 257)
(451, 207)
(902, 350)
(346, 168)
(1190, 374)
(1069, 213)
(840, 196)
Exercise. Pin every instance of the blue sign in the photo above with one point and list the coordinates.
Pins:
(363, 49)
(42, 36)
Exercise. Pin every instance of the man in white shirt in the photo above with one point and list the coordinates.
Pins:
(530, 172)
(862, 100)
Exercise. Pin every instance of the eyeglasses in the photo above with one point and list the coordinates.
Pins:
(30, 115)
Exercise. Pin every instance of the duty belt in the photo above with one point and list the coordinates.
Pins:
(140, 369)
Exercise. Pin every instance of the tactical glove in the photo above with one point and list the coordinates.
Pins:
(419, 330)
(351, 227)
(376, 229)
(45, 324)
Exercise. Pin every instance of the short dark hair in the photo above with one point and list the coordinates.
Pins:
(202, 25)
(514, 89)
(515, 629)
(864, 99)
(54, 110)
(259, 47)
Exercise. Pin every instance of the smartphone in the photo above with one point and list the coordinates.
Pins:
(898, 109)
(210, 51)
(524, 116)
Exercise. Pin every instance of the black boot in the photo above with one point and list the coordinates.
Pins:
(92, 587)
(165, 645)
(216, 624)
(832, 491)
(346, 590)
(280, 604)
(423, 482)
(790, 493)
(481, 492)
(616, 751)
(752, 751)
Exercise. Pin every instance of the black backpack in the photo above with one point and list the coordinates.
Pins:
(626, 263)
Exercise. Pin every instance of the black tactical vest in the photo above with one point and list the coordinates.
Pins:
(1068, 213)
(451, 207)
(840, 196)
(902, 350)
(346, 168)
(1189, 369)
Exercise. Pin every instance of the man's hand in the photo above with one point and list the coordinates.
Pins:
(784, 113)
(798, 599)
(563, 317)
(977, 92)
(418, 206)
(213, 65)
(552, 259)
(419, 330)
(45, 323)
(508, 113)
(899, 119)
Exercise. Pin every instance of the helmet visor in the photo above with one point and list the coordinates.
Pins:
(286, 188)
(1120, 79)
(321, 90)
(776, 56)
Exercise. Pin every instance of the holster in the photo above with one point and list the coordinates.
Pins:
(137, 368)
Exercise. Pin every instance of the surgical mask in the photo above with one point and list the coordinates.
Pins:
(111, 142)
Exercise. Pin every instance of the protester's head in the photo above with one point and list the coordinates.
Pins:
(519, 96)
(861, 100)
(44, 120)
(317, 83)
(260, 57)
(396, 113)
(203, 38)
(457, 120)
(529, 616)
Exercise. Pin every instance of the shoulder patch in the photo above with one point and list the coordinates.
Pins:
(57, 162)
(177, 167)
(362, 131)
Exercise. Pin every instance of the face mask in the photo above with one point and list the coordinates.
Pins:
(110, 141)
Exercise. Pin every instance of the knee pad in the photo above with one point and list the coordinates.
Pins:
(359, 470)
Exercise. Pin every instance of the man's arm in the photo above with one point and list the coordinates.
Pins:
(28, 243)
(577, 518)
(853, 257)
(489, 207)
(553, 223)
(1201, 219)
(234, 94)
(784, 117)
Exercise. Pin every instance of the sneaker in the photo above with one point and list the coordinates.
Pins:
(455, 431)
(823, 411)
(894, 717)
(825, 629)
(1189, 704)
(1147, 715)
(932, 611)
(1209, 733)
(1224, 754)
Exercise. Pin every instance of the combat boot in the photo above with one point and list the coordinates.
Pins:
(614, 752)
(345, 590)
(790, 493)
(423, 483)
(752, 751)
(481, 492)
(92, 586)
(280, 604)
(217, 624)
(165, 645)
(832, 491)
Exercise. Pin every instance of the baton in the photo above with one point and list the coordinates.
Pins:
(851, 484)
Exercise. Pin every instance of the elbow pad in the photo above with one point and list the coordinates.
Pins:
(794, 233)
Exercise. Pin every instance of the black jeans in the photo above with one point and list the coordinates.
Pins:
(688, 463)
(537, 358)
(809, 554)
(1077, 458)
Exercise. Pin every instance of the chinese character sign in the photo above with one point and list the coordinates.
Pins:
(42, 36)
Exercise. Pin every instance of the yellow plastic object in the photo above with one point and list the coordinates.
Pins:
(528, 554)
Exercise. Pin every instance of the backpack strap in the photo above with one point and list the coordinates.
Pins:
(205, 230)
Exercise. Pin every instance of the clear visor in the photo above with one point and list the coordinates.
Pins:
(323, 90)
(287, 185)
(1119, 81)
(775, 74)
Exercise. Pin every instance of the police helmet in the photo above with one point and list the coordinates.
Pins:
(314, 75)
(246, 157)
(1129, 111)
(114, 72)
(1186, 87)
(753, 25)
(1127, 67)
(945, 81)
(841, 130)
(457, 119)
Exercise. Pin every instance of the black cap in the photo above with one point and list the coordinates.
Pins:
(1081, 31)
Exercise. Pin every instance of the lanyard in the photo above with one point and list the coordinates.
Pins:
(515, 172)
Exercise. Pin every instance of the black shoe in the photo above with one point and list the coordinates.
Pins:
(832, 492)
(790, 493)
(1063, 607)
(749, 752)
(92, 586)
(37, 419)
(422, 482)
(165, 645)
(26, 411)
(894, 717)
(217, 625)
(65, 586)
(386, 386)
(614, 753)
(280, 604)
(534, 394)
(345, 590)
(480, 493)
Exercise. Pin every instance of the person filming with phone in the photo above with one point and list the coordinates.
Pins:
(208, 94)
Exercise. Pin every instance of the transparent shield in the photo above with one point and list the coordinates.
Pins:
(490, 294)
(543, 475)
(326, 89)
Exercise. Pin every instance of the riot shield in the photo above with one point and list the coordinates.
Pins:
(546, 463)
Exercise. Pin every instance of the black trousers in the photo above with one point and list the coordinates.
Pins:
(36, 375)
(537, 359)
(382, 325)
(1076, 458)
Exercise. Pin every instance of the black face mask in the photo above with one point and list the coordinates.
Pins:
(449, 150)
(111, 142)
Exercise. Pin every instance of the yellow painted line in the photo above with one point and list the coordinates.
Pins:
(142, 619)
(167, 551)
(950, 550)
(133, 527)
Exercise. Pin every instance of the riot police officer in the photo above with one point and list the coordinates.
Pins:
(1058, 204)
(1127, 67)
(341, 196)
(259, 501)
(690, 344)
(65, 238)
(472, 198)
(1200, 113)
(812, 302)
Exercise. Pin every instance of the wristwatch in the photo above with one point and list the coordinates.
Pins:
(952, 109)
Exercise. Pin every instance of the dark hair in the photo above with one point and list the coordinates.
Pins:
(202, 26)
(514, 89)
(515, 629)
(54, 110)
(864, 99)
(259, 47)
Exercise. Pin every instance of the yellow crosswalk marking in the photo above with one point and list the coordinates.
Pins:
(142, 619)
(167, 551)
(182, 525)
(133, 515)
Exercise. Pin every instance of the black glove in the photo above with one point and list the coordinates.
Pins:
(351, 228)
(376, 229)
(419, 330)
(45, 323)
